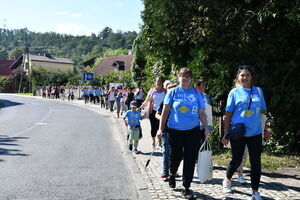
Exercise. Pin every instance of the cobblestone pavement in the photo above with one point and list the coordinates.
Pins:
(158, 188)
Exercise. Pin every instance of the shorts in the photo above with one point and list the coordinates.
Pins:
(134, 133)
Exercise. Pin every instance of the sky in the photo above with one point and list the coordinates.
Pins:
(75, 17)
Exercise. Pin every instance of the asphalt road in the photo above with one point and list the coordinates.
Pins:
(52, 150)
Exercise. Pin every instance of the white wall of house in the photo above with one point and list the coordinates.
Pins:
(51, 67)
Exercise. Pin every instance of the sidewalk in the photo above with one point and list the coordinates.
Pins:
(270, 188)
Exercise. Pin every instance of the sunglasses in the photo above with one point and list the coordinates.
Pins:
(245, 66)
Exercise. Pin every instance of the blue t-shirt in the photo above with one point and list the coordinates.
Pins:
(98, 92)
(92, 92)
(118, 100)
(238, 102)
(85, 92)
(185, 105)
(133, 117)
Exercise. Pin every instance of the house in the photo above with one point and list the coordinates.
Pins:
(47, 62)
(114, 63)
(4, 68)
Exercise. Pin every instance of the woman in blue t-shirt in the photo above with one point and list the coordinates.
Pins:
(184, 106)
(245, 103)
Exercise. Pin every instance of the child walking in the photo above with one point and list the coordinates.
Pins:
(133, 118)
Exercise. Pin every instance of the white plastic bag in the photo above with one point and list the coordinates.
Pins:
(204, 165)
(146, 112)
(263, 117)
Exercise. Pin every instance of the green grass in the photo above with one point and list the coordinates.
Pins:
(30, 94)
(270, 162)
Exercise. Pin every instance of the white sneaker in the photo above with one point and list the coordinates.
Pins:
(226, 186)
(241, 180)
(256, 196)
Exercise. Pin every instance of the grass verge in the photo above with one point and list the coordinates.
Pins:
(269, 162)
(30, 94)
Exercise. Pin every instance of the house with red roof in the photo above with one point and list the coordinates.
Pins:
(114, 63)
(4, 68)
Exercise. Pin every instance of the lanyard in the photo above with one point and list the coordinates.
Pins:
(250, 99)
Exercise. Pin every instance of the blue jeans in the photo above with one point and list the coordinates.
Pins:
(166, 154)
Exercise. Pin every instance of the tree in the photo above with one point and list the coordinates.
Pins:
(105, 33)
(15, 53)
(3, 53)
(213, 37)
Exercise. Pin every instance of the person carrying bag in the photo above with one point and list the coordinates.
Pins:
(204, 165)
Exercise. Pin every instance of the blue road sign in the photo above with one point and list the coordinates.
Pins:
(88, 76)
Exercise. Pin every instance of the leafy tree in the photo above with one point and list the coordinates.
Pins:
(15, 53)
(76, 48)
(105, 33)
(213, 37)
(3, 53)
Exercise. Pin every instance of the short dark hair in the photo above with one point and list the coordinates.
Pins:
(242, 67)
(199, 82)
(185, 72)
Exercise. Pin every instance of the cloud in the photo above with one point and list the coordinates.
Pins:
(78, 15)
(119, 4)
(70, 28)
(64, 13)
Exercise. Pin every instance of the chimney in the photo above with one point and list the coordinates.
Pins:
(48, 55)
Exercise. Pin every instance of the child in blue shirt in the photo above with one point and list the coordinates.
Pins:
(132, 120)
(118, 103)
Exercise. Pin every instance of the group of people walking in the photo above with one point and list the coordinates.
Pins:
(115, 98)
(181, 123)
(181, 120)
(58, 92)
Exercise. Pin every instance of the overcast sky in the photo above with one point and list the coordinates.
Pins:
(76, 17)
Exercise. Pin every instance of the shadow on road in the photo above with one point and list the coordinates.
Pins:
(8, 146)
(7, 103)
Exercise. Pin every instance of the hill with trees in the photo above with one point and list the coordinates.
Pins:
(76, 48)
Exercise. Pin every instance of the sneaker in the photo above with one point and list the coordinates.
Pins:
(256, 196)
(177, 175)
(164, 176)
(241, 180)
(172, 181)
(226, 186)
(153, 144)
(130, 147)
(135, 151)
(187, 193)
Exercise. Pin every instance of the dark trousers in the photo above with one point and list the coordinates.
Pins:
(86, 98)
(97, 99)
(184, 145)
(139, 102)
(111, 105)
(154, 123)
(254, 145)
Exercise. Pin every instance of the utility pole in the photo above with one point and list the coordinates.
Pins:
(24, 67)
